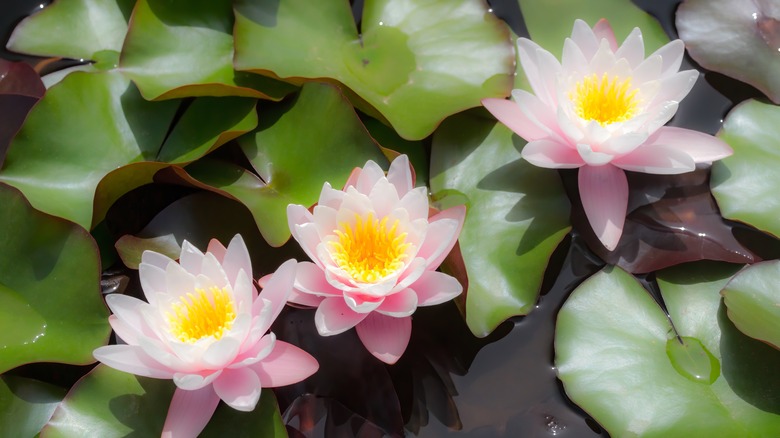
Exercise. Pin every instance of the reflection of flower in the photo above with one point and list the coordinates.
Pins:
(602, 110)
(205, 327)
(375, 254)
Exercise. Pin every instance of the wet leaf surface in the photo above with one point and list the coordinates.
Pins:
(49, 288)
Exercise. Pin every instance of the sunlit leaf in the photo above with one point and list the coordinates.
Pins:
(739, 38)
(26, 405)
(51, 309)
(185, 48)
(109, 403)
(517, 215)
(613, 356)
(753, 303)
(78, 29)
(744, 184)
(295, 150)
(415, 61)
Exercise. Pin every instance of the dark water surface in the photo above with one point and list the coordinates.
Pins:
(450, 383)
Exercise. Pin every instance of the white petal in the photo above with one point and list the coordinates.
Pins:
(591, 157)
(400, 175)
(368, 177)
(236, 258)
(633, 48)
(190, 258)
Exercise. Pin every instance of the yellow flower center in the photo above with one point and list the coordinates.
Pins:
(604, 99)
(202, 314)
(369, 250)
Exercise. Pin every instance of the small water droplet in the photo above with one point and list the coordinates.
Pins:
(381, 23)
(692, 360)
(553, 427)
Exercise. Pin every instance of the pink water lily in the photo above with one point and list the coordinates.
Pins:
(602, 110)
(205, 327)
(375, 253)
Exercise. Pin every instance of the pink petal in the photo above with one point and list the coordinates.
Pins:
(701, 147)
(399, 304)
(126, 333)
(510, 114)
(285, 365)
(593, 158)
(572, 58)
(236, 258)
(435, 287)
(541, 69)
(385, 337)
(677, 86)
(213, 273)
(415, 203)
(155, 259)
(217, 248)
(190, 412)
(304, 299)
(360, 302)
(257, 352)
(368, 177)
(330, 197)
(132, 359)
(603, 30)
(400, 175)
(383, 197)
(178, 282)
(152, 281)
(221, 353)
(543, 116)
(551, 154)
(310, 279)
(190, 258)
(656, 159)
(443, 231)
(604, 194)
(353, 177)
(277, 290)
(586, 40)
(672, 55)
(195, 381)
(239, 388)
(333, 316)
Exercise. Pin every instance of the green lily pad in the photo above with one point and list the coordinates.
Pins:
(744, 184)
(51, 309)
(738, 38)
(753, 304)
(295, 150)
(550, 23)
(68, 161)
(26, 405)
(415, 62)
(110, 403)
(185, 48)
(517, 216)
(78, 29)
(612, 354)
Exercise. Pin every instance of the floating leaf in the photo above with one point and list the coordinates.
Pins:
(295, 150)
(517, 215)
(611, 352)
(111, 403)
(753, 303)
(78, 29)
(744, 184)
(739, 38)
(61, 157)
(185, 48)
(26, 405)
(550, 21)
(416, 62)
(51, 309)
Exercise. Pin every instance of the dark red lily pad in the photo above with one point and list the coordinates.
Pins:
(20, 89)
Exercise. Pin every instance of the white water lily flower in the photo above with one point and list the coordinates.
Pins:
(602, 110)
(205, 327)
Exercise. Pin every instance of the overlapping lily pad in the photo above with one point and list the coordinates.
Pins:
(614, 357)
(26, 405)
(745, 184)
(51, 309)
(185, 48)
(295, 150)
(416, 62)
(78, 29)
(517, 215)
(110, 403)
(753, 303)
(739, 38)
(20, 89)
(61, 156)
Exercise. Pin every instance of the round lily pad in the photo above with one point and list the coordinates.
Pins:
(753, 303)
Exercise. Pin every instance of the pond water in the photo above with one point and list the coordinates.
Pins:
(450, 383)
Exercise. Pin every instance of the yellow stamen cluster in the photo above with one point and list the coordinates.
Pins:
(202, 314)
(604, 99)
(369, 250)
